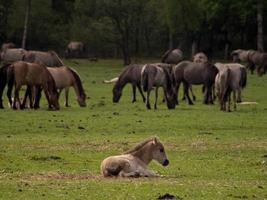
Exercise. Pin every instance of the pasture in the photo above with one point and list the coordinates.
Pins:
(57, 154)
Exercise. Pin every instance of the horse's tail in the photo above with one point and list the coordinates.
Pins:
(226, 87)
(144, 79)
(78, 81)
(243, 79)
(114, 80)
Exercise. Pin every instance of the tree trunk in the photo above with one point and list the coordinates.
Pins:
(26, 22)
(170, 40)
(260, 27)
(194, 48)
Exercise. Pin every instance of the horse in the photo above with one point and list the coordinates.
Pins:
(155, 76)
(9, 45)
(131, 74)
(172, 56)
(222, 87)
(66, 77)
(12, 55)
(133, 163)
(50, 58)
(74, 49)
(200, 58)
(35, 76)
(255, 59)
(236, 81)
(3, 82)
(191, 73)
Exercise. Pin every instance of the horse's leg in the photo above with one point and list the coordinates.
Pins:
(176, 92)
(67, 97)
(156, 98)
(206, 95)
(186, 91)
(184, 96)
(141, 92)
(37, 97)
(16, 97)
(239, 96)
(134, 93)
(27, 93)
(229, 102)
(234, 99)
(147, 99)
(192, 92)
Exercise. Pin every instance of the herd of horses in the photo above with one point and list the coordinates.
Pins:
(218, 79)
(38, 71)
(45, 71)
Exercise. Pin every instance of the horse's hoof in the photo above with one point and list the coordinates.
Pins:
(190, 103)
(148, 107)
(133, 100)
(194, 98)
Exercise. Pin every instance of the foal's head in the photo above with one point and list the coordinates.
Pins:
(53, 93)
(158, 152)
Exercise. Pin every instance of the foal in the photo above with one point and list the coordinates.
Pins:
(134, 162)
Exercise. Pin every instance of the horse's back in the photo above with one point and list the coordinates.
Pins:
(62, 76)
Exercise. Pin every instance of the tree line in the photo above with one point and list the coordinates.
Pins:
(134, 28)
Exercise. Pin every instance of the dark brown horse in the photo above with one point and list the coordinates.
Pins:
(75, 49)
(255, 59)
(131, 74)
(35, 76)
(12, 55)
(172, 56)
(155, 76)
(190, 73)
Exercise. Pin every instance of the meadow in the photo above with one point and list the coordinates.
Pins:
(57, 154)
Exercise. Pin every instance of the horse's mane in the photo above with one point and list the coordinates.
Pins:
(78, 81)
(53, 53)
(166, 54)
(140, 145)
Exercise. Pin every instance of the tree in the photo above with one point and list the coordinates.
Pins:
(260, 26)
(26, 22)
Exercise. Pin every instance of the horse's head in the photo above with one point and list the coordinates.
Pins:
(53, 93)
(117, 92)
(158, 152)
(82, 100)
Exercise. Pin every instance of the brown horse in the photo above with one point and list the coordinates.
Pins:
(66, 77)
(255, 59)
(155, 76)
(9, 45)
(200, 58)
(134, 162)
(131, 74)
(50, 58)
(172, 56)
(191, 73)
(34, 76)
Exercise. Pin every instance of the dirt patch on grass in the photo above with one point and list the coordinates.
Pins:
(60, 176)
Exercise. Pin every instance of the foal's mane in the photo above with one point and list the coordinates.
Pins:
(140, 145)
(78, 81)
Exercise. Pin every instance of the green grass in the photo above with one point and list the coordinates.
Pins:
(57, 154)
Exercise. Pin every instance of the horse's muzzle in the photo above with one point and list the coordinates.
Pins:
(166, 162)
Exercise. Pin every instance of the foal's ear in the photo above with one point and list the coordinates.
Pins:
(155, 141)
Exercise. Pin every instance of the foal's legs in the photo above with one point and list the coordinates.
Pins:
(37, 97)
(176, 92)
(141, 92)
(234, 99)
(239, 96)
(134, 93)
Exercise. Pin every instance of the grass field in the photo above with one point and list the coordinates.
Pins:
(57, 154)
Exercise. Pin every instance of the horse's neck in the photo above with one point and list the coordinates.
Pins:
(143, 154)
(121, 82)
(76, 89)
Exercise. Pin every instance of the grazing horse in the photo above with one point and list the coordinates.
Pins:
(65, 77)
(191, 73)
(131, 74)
(134, 162)
(74, 49)
(172, 56)
(255, 59)
(34, 76)
(3, 82)
(12, 55)
(50, 58)
(236, 79)
(155, 76)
